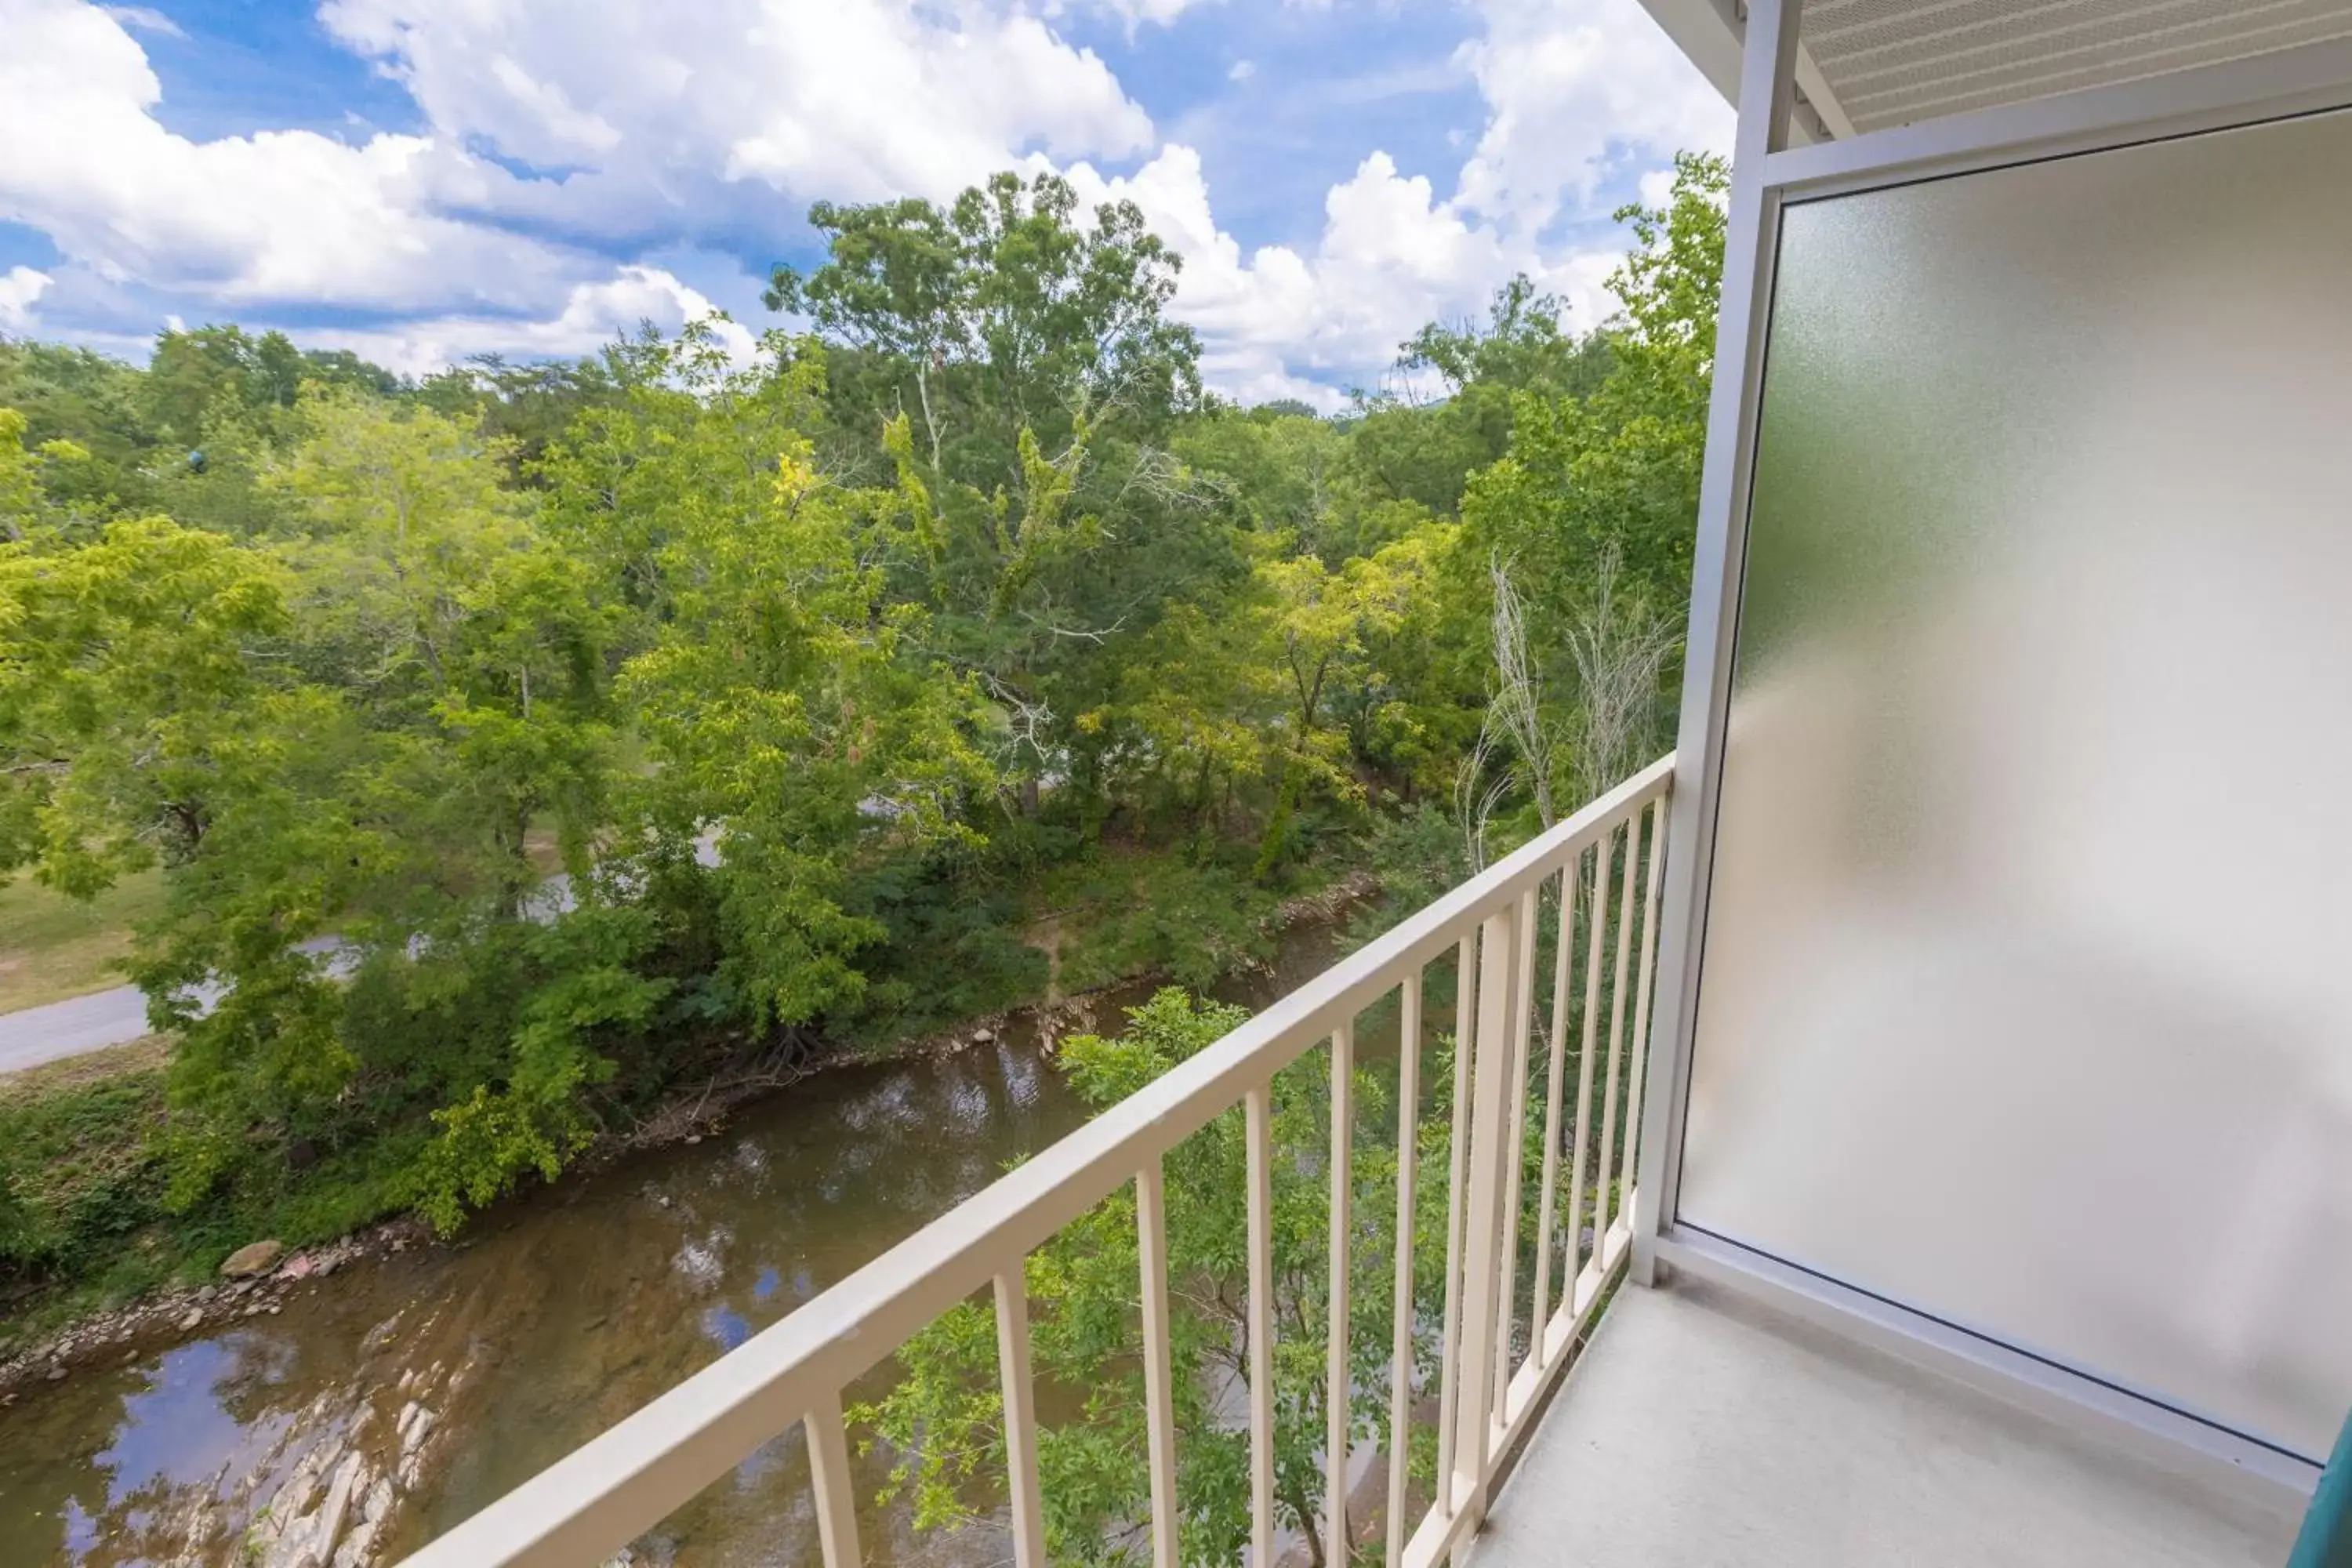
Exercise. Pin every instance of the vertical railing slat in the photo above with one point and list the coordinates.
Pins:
(1514, 1133)
(1547, 1207)
(1449, 1343)
(1159, 1394)
(1645, 981)
(1401, 1339)
(1259, 1131)
(1603, 1199)
(837, 1502)
(1482, 1229)
(1337, 1383)
(1596, 931)
(1020, 1419)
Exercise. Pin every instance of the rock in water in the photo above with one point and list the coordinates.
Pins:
(256, 1258)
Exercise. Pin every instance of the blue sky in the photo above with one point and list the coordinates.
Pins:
(423, 179)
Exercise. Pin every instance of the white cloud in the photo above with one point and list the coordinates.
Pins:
(667, 123)
(280, 216)
(1277, 323)
(592, 315)
(1242, 70)
(1577, 91)
(19, 287)
(146, 18)
(1570, 86)
(1134, 13)
(709, 129)
(849, 99)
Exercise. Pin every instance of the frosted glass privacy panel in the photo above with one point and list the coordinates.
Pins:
(2027, 984)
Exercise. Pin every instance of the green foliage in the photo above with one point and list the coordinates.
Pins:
(838, 680)
(76, 1177)
(1618, 470)
(1191, 922)
(1052, 316)
(122, 687)
(1590, 511)
(943, 1421)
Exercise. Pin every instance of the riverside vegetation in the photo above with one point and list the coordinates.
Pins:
(863, 684)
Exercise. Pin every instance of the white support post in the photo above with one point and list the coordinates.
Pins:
(1258, 1123)
(1401, 1344)
(1339, 1384)
(1158, 1387)
(1021, 1417)
(1498, 955)
(837, 1499)
(1605, 1168)
(1449, 1352)
(1644, 986)
(1596, 931)
(1515, 1119)
(1766, 90)
(1555, 1067)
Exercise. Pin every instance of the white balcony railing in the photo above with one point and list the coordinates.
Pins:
(1492, 1380)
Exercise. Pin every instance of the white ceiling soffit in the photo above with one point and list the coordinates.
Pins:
(1709, 32)
(1876, 63)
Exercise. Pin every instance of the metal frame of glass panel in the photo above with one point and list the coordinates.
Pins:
(1769, 175)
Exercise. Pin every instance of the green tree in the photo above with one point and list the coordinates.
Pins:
(429, 591)
(790, 709)
(1014, 357)
(1007, 303)
(122, 676)
(1321, 629)
(1586, 524)
(99, 404)
(943, 1421)
(1618, 470)
(25, 503)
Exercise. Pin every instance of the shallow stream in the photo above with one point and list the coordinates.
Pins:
(386, 1404)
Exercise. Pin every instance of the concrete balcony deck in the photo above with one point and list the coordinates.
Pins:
(1702, 1431)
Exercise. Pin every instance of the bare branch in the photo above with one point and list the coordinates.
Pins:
(1517, 706)
(1619, 652)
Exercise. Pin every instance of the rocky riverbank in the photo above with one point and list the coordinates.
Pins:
(335, 1406)
(133, 1330)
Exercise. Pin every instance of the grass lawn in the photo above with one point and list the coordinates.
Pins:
(53, 947)
(77, 1151)
(143, 1057)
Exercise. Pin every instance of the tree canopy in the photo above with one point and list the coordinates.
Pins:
(519, 746)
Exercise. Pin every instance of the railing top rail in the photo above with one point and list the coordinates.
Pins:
(621, 1483)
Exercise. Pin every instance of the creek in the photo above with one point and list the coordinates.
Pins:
(379, 1407)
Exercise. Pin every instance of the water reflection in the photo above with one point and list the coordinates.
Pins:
(558, 1318)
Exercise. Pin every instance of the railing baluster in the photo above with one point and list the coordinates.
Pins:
(837, 1503)
(1259, 1118)
(1466, 991)
(1020, 1418)
(1522, 1022)
(1159, 1414)
(1482, 1267)
(1401, 1343)
(1337, 1384)
(1645, 981)
(1601, 1200)
(1596, 931)
(1547, 1208)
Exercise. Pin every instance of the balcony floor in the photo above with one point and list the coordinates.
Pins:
(1702, 1430)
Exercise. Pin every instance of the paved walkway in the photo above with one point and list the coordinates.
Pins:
(67, 1028)
(118, 1016)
